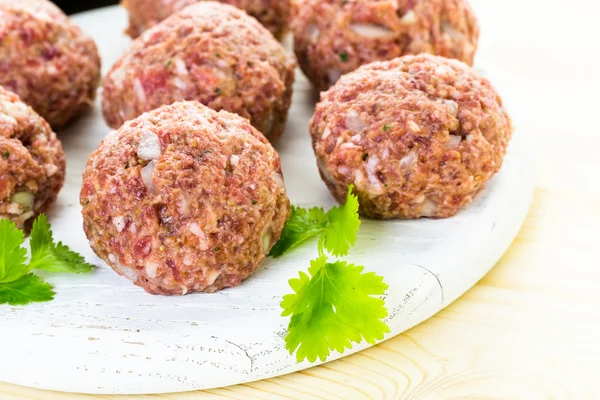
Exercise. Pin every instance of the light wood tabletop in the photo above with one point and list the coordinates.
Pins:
(531, 328)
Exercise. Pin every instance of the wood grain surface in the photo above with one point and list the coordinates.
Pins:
(530, 328)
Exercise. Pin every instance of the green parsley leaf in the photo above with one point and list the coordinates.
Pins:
(333, 308)
(29, 288)
(52, 257)
(12, 255)
(344, 56)
(344, 223)
(17, 285)
(302, 225)
(41, 236)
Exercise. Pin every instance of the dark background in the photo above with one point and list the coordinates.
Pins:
(73, 6)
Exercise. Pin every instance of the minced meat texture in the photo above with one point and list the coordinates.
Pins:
(184, 199)
(418, 136)
(47, 60)
(32, 162)
(144, 14)
(334, 37)
(209, 52)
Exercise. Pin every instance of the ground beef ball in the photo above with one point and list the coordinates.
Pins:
(184, 199)
(210, 52)
(32, 162)
(334, 37)
(47, 60)
(418, 136)
(143, 14)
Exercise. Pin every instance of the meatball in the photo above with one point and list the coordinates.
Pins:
(47, 60)
(184, 199)
(32, 162)
(334, 37)
(143, 14)
(209, 52)
(418, 136)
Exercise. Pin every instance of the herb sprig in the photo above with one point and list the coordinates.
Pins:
(336, 303)
(18, 285)
(338, 228)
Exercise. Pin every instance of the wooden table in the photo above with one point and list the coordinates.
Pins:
(531, 328)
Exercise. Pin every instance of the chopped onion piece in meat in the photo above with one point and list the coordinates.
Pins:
(149, 148)
(24, 199)
(16, 110)
(372, 31)
(25, 216)
(409, 160)
(372, 168)
(354, 122)
(119, 223)
(452, 107)
(14, 208)
(409, 18)
(266, 240)
(453, 142)
(50, 169)
(312, 32)
(212, 276)
(180, 67)
(429, 209)
(151, 270)
(147, 173)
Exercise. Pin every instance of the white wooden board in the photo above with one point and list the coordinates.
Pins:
(104, 335)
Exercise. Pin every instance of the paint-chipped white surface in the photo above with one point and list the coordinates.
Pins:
(104, 335)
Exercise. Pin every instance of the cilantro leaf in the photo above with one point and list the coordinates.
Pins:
(344, 223)
(301, 226)
(333, 308)
(41, 235)
(338, 228)
(52, 257)
(62, 259)
(29, 288)
(12, 255)
(17, 285)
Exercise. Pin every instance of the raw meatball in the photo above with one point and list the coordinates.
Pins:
(143, 14)
(47, 60)
(184, 199)
(418, 136)
(32, 162)
(209, 52)
(334, 37)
